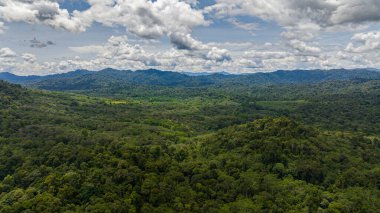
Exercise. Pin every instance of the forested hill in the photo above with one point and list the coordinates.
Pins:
(86, 80)
(207, 152)
(6, 76)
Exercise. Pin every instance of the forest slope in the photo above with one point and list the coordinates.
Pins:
(210, 151)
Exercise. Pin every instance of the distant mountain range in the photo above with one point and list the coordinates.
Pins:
(205, 73)
(85, 80)
(12, 78)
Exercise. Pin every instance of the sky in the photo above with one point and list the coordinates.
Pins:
(40, 37)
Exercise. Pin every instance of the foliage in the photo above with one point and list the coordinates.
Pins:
(269, 148)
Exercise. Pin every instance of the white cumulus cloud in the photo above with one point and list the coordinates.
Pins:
(42, 12)
(364, 42)
(147, 19)
(7, 53)
(29, 58)
(303, 47)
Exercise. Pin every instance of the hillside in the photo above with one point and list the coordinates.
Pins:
(262, 161)
(208, 151)
(26, 80)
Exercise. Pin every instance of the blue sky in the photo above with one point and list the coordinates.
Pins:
(238, 36)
